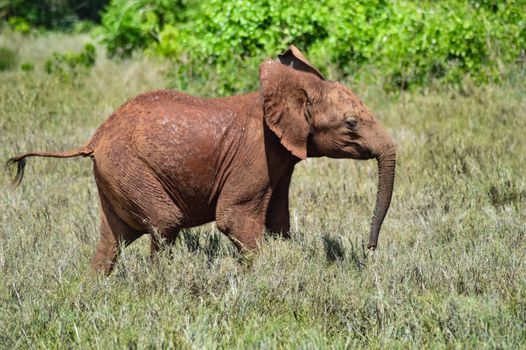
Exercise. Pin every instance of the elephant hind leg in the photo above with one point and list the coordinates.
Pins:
(113, 232)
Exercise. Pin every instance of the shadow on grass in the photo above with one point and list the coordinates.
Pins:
(335, 251)
(212, 247)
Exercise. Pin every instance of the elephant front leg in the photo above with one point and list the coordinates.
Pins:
(243, 221)
(278, 217)
(245, 232)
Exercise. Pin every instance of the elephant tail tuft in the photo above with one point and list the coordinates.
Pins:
(20, 160)
(21, 164)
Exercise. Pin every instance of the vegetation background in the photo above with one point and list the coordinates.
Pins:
(447, 80)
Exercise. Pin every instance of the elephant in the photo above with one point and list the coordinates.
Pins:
(166, 160)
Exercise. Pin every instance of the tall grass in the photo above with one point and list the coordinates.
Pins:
(450, 271)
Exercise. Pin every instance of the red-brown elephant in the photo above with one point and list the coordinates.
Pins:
(166, 160)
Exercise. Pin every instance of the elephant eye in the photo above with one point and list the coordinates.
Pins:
(351, 123)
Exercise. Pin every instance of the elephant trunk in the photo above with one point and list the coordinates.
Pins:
(386, 173)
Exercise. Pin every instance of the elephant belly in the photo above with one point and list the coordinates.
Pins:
(145, 198)
(160, 159)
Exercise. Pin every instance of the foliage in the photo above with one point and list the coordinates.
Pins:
(410, 43)
(132, 25)
(27, 67)
(69, 64)
(50, 14)
(415, 44)
(19, 24)
(84, 26)
(8, 58)
(449, 272)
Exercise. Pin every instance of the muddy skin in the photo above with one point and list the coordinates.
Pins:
(166, 160)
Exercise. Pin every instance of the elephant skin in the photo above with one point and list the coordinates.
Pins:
(166, 160)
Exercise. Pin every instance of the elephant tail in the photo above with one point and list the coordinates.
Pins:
(20, 160)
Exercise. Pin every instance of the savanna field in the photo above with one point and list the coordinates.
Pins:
(450, 271)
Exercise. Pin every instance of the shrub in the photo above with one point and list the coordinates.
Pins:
(27, 67)
(410, 43)
(8, 58)
(132, 25)
(50, 14)
(68, 65)
(19, 25)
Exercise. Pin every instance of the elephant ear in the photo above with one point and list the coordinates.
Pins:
(284, 97)
(295, 58)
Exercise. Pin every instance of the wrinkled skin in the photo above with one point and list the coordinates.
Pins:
(166, 160)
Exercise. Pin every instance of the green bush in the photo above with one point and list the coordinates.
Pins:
(410, 43)
(234, 36)
(8, 58)
(50, 14)
(132, 25)
(27, 67)
(414, 43)
(68, 65)
(19, 24)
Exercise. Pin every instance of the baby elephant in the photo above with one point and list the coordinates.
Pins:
(166, 160)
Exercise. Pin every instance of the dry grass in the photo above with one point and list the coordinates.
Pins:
(450, 271)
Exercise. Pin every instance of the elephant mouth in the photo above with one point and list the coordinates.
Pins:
(358, 151)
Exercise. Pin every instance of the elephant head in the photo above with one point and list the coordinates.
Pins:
(315, 117)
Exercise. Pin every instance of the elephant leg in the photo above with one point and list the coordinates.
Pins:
(113, 232)
(278, 218)
(243, 222)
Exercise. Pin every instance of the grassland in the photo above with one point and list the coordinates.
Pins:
(450, 271)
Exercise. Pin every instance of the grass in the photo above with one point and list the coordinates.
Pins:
(450, 271)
